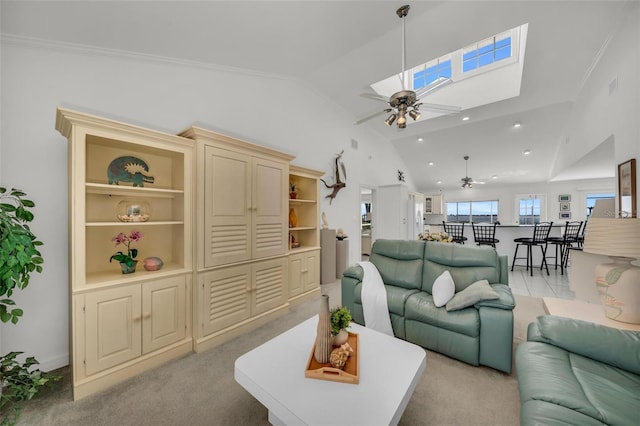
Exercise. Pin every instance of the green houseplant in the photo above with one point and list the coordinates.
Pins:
(340, 321)
(19, 257)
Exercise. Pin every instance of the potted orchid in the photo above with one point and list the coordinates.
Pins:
(127, 261)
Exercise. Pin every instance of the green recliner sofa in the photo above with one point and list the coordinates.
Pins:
(574, 372)
(481, 334)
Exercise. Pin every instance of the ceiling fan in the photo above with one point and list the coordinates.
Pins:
(468, 182)
(408, 101)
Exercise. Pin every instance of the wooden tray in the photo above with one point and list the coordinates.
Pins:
(349, 374)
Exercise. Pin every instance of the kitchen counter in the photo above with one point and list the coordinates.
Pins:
(506, 247)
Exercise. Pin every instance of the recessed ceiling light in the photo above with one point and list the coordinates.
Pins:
(420, 139)
(465, 118)
(517, 124)
(439, 182)
(494, 177)
(430, 163)
(526, 152)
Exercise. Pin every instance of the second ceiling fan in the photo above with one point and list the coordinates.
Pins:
(468, 182)
(408, 102)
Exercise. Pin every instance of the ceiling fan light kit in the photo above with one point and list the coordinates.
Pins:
(408, 101)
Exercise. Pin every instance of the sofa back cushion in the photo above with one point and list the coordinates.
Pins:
(467, 264)
(399, 262)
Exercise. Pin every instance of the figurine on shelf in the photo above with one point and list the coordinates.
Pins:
(325, 224)
(340, 235)
(293, 218)
(292, 242)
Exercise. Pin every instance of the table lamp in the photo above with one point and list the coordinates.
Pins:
(618, 282)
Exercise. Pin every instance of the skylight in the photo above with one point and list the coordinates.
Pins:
(486, 52)
(483, 72)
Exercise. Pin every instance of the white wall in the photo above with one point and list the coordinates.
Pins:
(38, 77)
(599, 114)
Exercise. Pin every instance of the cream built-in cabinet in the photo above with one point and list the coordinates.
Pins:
(219, 220)
(304, 259)
(122, 324)
(242, 236)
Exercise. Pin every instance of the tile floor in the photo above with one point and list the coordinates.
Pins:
(540, 284)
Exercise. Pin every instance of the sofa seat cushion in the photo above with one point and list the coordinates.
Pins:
(396, 297)
(420, 307)
(550, 374)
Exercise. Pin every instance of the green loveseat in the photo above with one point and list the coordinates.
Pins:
(481, 334)
(573, 372)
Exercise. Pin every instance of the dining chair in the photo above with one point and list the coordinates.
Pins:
(485, 234)
(540, 234)
(564, 243)
(455, 231)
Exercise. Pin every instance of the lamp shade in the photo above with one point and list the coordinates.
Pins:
(613, 237)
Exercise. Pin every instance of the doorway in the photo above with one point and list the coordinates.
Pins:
(367, 219)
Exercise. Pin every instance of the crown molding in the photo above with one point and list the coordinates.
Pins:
(87, 50)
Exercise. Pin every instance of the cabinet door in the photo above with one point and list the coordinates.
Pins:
(270, 213)
(225, 297)
(113, 327)
(296, 266)
(311, 271)
(163, 313)
(269, 290)
(227, 193)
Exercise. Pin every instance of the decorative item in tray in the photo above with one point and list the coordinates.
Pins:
(349, 373)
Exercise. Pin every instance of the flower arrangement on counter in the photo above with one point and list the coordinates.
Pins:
(128, 259)
(440, 237)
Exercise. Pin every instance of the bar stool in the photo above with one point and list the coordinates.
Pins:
(455, 231)
(570, 236)
(540, 235)
(485, 234)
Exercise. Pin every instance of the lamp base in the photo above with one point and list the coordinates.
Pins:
(619, 286)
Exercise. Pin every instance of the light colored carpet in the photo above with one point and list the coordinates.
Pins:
(199, 389)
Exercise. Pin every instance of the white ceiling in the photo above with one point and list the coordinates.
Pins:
(341, 47)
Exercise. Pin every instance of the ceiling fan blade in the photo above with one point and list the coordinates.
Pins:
(369, 117)
(447, 109)
(375, 97)
(439, 83)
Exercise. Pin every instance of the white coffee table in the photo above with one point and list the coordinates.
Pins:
(274, 374)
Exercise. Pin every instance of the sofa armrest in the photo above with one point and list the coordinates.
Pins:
(351, 277)
(505, 301)
(355, 271)
(619, 348)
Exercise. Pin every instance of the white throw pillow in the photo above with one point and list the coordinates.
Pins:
(443, 289)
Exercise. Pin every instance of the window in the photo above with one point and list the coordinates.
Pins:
(486, 52)
(530, 208)
(473, 211)
(502, 49)
(592, 198)
(426, 74)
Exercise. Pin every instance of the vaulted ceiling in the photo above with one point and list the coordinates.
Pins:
(341, 47)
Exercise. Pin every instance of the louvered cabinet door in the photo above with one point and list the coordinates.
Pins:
(269, 208)
(228, 209)
(269, 285)
(225, 297)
